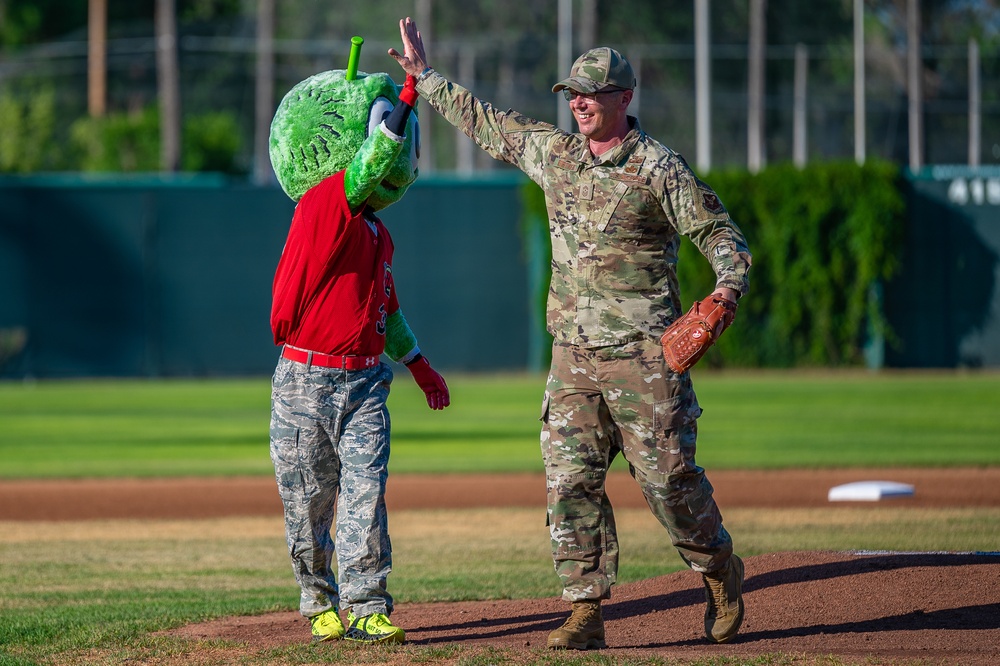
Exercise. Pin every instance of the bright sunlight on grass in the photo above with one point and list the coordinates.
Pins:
(751, 420)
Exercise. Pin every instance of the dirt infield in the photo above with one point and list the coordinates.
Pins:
(931, 608)
(92, 499)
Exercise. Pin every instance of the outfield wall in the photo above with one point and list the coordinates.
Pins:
(147, 277)
(945, 303)
(161, 278)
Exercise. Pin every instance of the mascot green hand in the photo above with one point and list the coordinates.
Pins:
(344, 144)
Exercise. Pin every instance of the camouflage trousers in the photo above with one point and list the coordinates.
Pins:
(330, 449)
(622, 399)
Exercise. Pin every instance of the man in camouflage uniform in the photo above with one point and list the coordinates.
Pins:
(617, 202)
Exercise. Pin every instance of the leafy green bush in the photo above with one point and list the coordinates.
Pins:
(823, 238)
(211, 142)
(27, 126)
(130, 142)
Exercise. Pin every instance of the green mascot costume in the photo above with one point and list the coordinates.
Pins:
(344, 145)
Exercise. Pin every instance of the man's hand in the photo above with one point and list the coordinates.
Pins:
(430, 382)
(687, 339)
(413, 60)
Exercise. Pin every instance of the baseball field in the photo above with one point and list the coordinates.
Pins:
(139, 523)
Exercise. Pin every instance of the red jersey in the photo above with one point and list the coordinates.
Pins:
(333, 288)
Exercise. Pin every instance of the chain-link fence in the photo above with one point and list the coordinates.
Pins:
(514, 66)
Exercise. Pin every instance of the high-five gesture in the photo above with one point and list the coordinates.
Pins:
(413, 60)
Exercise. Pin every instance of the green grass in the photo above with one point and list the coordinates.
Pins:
(751, 420)
(849, 419)
(133, 428)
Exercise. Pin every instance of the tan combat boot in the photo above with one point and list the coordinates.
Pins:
(583, 630)
(724, 594)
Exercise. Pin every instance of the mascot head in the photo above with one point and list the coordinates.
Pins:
(322, 122)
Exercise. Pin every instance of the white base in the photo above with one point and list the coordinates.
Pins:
(869, 491)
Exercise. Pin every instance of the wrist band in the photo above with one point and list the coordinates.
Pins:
(408, 94)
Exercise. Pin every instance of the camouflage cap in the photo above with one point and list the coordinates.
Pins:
(599, 69)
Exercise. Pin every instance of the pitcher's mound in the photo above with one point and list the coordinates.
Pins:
(936, 607)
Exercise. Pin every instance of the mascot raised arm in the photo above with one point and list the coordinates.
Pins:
(344, 145)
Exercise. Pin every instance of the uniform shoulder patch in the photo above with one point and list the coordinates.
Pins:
(518, 122)
(711, 202)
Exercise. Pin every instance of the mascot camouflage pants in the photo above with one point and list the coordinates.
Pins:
(330, 449)
(599, 402)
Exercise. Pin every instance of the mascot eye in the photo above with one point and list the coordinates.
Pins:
(381, 108)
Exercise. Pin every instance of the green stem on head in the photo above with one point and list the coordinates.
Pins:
(352, 61)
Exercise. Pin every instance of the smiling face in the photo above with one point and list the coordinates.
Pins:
(601, 115)
(321, 124)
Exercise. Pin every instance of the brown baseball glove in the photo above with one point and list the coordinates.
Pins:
(687, 339)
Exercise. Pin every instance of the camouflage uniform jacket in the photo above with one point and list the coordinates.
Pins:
(615, 220)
